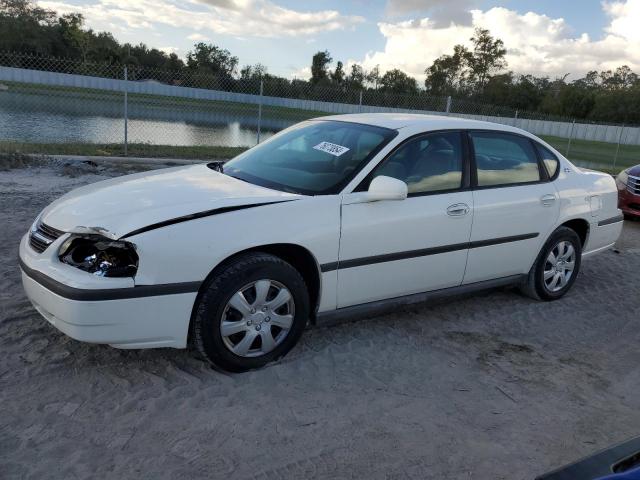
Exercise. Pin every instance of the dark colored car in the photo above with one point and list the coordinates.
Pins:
(621, 462)
(628, 182)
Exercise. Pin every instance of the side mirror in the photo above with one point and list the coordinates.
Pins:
(386, 188)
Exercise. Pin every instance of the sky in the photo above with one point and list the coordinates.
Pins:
(543, 37)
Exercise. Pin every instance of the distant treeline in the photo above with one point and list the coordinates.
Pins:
(475, 77)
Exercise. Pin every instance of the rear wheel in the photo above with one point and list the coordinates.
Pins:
(556, 267)
(251, 312)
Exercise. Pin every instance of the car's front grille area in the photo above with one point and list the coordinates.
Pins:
(633, 184)
(43, 236)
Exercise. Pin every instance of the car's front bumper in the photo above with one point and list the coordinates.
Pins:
(124, 316)
(628, 202)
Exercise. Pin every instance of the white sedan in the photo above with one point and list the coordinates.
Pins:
(338, 216)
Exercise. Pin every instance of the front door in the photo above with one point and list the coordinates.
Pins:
(399, 247)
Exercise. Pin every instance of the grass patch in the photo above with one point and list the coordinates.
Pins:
(162, 101)
(12, 149)
(596, 155)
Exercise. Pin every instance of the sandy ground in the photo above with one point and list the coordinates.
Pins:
(493, 386)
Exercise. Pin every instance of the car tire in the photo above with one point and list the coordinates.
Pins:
(548, 280)
(237, 324)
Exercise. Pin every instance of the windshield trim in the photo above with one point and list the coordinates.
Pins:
(261, 182)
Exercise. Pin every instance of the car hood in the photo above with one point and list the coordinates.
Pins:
(635, 171)
(121, 205)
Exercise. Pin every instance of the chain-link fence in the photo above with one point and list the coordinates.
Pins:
(60, 106)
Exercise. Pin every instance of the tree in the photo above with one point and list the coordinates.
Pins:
(487, 57)
(356, 78)
(373, 77)
(396, 81)
(448, 73)
(104, 48)
(208, 58)
(74, 35)
(319, 65)
(621, 79)
(337, 76)
(253, 72)
(28, 28)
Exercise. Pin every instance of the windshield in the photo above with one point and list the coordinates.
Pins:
(311, 158)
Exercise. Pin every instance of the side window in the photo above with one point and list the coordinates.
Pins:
(426, 164)
(503, 159)
(551, 162)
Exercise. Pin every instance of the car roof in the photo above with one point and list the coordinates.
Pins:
(397, 121)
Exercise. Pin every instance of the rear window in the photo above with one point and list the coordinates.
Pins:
(504, 159)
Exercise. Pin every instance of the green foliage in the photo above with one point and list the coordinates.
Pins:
(487, 57)
(337, 76)
(319, 67)
(396, 81)
(213, 60)
(465, 71)
(474, 75)
(478, 75)
(373, 77)
(10, 149)
(448, 74)
(356, 78)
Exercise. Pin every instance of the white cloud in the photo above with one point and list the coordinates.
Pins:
(198, 37)
(303, 73)
(625, 20)
(169, 50)
(258, 18)
(536, 43)
(441, 12)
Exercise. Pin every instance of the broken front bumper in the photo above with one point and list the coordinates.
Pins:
(120, 313)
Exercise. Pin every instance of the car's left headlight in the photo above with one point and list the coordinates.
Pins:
(100, 255)
(623, 177)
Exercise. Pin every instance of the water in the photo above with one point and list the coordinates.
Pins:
(38, 116)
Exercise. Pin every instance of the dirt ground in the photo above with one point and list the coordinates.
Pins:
(493, 386)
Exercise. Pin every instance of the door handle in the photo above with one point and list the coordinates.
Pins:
(458, 210)
(547, 200)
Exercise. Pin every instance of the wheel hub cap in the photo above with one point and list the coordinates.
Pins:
(257, 318)
(559, 266)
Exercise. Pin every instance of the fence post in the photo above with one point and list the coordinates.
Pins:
(515, 119)
(615, 157)
(126, 111)
(260, 110)
(360, 102)
(448, 104)
(573, 124)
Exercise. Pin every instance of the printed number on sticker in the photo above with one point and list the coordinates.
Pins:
(331, 148)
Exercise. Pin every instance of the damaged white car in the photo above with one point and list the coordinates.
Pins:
(334, 217)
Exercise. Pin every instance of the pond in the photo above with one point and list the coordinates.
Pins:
(39, 116)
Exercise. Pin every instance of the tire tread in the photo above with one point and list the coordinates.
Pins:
(214, 285)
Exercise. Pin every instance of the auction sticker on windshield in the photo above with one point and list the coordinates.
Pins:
(331, 148)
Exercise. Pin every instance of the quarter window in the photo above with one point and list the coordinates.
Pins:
(550, 161)
(426, 164)
(504, 159)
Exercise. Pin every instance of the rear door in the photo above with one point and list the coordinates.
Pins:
(515, 205)
(394, 248)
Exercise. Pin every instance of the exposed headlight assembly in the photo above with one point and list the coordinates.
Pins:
(100, 255)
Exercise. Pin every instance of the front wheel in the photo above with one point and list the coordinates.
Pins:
(556, 267)
(251, 311)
